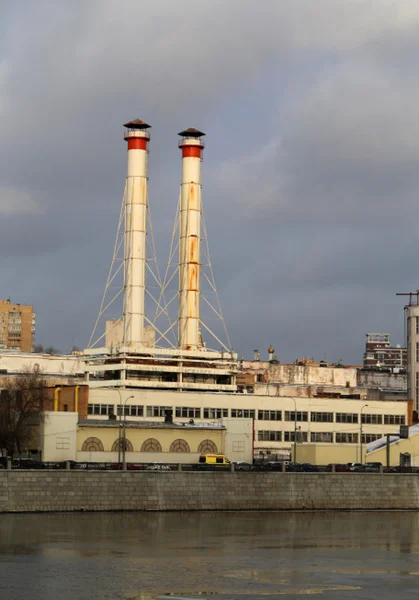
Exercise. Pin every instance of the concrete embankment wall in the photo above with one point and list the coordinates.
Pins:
(32, 491)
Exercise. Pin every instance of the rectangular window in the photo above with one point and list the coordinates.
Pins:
(62, 443)
(289, 436)
(100, 409)
(367, 438)
(394, 419)
(242, 413)
(346, 438)
(270, 436)
(301, 415)
(346, 418)
(131, 410)
(417, 325)
(321, 437)
(187, 412)
(417, 351)
(372, 419)
(259, 378)
(322, 417)
(238, 446)
(157, 411)
(270, 415)
(215, 413)
(417, 390)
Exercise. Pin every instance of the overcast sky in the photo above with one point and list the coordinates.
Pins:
(311, 166)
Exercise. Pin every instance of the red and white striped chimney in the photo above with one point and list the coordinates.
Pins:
(137, 137)
(192, 146)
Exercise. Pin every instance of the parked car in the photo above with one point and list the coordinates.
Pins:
(272, 465)
(213, 462)
(372, 467)
(242, 466)
(304, 468)
(354, 466)
(27, 463)
(338, 468)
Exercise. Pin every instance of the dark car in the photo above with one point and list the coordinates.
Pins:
(372, 467)
(305, 468)
(27, 463)
(242, 466)
(273, 466)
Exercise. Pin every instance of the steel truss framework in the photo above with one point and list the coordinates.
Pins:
(112, 299)
(166, 309)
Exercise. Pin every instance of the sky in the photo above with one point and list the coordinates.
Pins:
(310, 173)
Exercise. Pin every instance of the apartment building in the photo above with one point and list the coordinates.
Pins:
(17, 326)
(380, 352)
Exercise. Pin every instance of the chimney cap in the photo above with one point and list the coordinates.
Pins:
(191, 132)
(137, 124)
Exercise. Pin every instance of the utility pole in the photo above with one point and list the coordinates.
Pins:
(124, 466)
(360, 433)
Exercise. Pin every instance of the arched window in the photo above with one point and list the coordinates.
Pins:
(180, 446)
(92, 444)
(120, 443)
(207, 447)
(151, 445)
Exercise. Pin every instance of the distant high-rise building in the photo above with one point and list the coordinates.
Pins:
(17, 326)
(380, 353)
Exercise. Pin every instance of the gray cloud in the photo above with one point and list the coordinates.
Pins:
(310, 179)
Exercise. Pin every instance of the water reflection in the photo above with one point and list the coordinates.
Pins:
(196, 555)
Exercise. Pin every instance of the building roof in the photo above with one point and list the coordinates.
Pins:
(148, 424)
(136, 124)
(191, 132)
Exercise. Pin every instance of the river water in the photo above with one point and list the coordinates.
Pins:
(209, 555)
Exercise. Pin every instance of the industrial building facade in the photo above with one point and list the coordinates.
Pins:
(17, 326)
(379, 352)
(277, 422)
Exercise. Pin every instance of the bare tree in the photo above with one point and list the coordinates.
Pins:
(51, 350)
(21, 401)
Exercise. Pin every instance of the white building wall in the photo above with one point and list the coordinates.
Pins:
(49, 365)
(413, 355)
(302, 375)
(58, 436)
(238, 439)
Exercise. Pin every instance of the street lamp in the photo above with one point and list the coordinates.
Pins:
(119, 432)
(295, 431)
(124, 438)
(360, 433)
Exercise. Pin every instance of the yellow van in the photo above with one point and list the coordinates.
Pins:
(218, 462)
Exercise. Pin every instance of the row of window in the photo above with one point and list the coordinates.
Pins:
(264, 415)
(316, 437)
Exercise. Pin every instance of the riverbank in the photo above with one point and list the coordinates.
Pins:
(52, 491)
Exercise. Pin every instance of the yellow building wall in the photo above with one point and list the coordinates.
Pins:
(325, 454)
(410, 445)
(137, 436)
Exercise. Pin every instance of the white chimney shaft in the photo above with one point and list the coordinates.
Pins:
(135, 233)
(190, 240)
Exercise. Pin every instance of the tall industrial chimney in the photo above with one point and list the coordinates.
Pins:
(137, 136)
(192, 146)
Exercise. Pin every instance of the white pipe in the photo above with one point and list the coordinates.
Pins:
(135, 238)
(189, 244)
